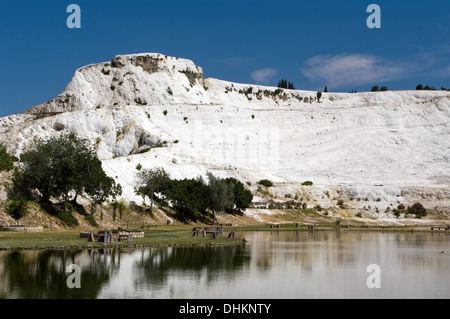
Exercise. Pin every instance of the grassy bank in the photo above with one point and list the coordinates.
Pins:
(162, 235)
(157, 236)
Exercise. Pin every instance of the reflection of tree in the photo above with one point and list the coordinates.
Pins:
(42, 275)
(157, 267)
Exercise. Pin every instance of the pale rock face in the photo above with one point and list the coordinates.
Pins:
(154, 110)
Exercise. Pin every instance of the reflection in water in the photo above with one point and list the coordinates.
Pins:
(271, 265)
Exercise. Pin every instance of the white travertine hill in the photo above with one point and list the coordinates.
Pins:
(155, 110)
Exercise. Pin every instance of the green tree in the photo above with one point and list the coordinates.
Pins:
(375, 88)
(242, 197)
(319, 96)
(151, 182)
(325, 89)
(17, 209)
(60, 168)
(222, 195)
(101, 187)
(6, 161)
(189, 197)
(419, 87)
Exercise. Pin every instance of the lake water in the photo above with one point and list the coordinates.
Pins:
(272, 265)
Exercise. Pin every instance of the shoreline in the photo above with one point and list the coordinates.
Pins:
(181, 238)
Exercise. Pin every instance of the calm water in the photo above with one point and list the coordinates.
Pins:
(271, 266)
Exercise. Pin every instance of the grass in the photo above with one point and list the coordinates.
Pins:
(158, 236)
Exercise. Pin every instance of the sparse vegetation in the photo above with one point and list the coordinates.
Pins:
(265, 182)
(6, 160)
(17, 208)
(418, 210)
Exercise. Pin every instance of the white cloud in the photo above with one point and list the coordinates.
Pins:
(264, 76)
(352, 69)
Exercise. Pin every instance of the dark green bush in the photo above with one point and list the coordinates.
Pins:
(17, 209)
(6, 160)
(91, 220)
(265, 182)
(418, 210)
(57, 212)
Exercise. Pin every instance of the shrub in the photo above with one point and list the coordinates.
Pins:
(91, 220)
(307, 183)
(67, 218)
(165, 113)
(418, 210)
(375, 88)
(419, 87)
(319, 96)
(265, 182)
(6, 160)
(278, 91)
(169, 90)
(383, 89)
(17, 209)
(112, 87)
(139, 166)
(145, 150)
(340, 203)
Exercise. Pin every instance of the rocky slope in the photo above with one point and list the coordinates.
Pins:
(373, 150)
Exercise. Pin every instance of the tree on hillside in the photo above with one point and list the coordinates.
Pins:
(419, 87)
(319, 96)
(222, 195)
(242, 197)
(62, 168)
(284, 84)
(151, 182)
(189, 197)
(375, 88)
(325, 89)
(6, 161)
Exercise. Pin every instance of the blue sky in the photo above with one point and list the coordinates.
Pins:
(310, 43)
